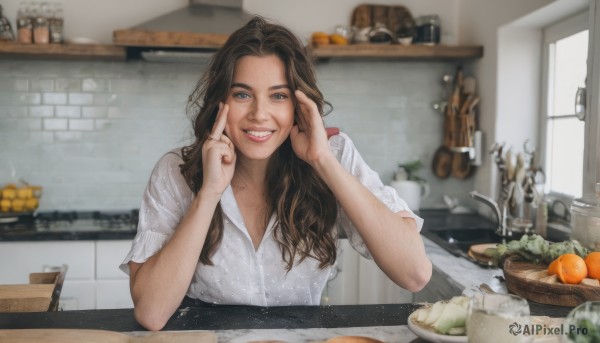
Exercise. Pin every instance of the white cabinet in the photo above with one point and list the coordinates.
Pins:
(113, 294)
(360, 281)
(112, 284)
(18, 259)
(93, 278)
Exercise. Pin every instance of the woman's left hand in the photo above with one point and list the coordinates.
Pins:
(308, 136)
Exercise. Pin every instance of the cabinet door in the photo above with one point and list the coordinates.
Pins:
(360, 281)
(342, 289)
(18, 259)
(77, 295)
(376, 288)
(113, 294)
(112, 285)
(109, 255)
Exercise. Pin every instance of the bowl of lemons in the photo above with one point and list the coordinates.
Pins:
(18, 200)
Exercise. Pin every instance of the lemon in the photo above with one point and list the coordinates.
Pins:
(5, 205)
(9, 193)
(18, 205)
(31, 204)
(25, 193)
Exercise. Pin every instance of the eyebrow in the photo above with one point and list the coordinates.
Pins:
(245, 86)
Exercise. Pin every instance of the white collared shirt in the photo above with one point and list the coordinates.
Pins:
(240, 274)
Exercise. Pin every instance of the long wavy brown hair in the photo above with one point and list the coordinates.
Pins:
(304, 206)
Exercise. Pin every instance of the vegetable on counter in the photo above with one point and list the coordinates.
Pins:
(535, 248)
(446, 317)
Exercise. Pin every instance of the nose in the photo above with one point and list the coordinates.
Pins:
(259, 111)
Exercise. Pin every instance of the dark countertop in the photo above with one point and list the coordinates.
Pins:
(27, 230)
(235, 317)
(30, 228)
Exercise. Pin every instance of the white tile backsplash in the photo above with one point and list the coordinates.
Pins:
(90, 132)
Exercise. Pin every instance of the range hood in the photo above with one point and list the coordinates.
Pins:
(203, 24)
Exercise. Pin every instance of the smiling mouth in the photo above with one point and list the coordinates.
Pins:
(259, 134)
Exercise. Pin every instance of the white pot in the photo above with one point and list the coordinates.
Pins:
(412, 192)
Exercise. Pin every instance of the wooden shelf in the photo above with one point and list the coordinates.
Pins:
(165, 39)
(63, 51)
(388, 51)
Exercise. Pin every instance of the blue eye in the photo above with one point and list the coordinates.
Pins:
(280, 96)
(241, 95)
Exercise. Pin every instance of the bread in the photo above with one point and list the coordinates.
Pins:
(361, 16)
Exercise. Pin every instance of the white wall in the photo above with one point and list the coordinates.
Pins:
(463, 21)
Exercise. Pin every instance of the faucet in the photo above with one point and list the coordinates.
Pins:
(503, 229)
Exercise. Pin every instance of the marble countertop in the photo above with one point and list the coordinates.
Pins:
(464, 273)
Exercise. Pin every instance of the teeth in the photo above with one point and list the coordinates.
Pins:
(259, 133)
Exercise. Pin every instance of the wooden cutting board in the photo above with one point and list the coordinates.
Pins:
(530, 281)
(102, 336)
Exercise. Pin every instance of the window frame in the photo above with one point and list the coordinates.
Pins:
(552, 33)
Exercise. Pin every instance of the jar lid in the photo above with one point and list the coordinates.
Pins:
(589, 205)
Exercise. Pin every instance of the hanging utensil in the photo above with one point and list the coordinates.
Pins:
(442, 162)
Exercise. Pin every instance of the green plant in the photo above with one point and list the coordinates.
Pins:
(411, 168)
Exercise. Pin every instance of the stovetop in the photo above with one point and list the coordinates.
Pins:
(87, 221)
(70, 221)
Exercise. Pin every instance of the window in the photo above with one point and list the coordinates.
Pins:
(566, 54)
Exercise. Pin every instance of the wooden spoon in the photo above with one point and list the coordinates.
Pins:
(461, 165)
(442, 162)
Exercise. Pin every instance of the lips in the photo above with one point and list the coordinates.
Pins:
(258, 134)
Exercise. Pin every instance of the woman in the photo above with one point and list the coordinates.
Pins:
(249, 213)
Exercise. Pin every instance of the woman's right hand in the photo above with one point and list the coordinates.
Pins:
(218, 157)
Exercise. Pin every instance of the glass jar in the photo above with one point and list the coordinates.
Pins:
(55, 23)
(6, 32)
(428, 30)
(41, 27)
(24, 23)
(585, 220)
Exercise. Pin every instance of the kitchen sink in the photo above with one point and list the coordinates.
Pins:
(458, 240)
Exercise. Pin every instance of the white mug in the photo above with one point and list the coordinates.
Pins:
(412, 192)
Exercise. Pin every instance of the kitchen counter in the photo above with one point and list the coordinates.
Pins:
(244, 323)
(291, 323)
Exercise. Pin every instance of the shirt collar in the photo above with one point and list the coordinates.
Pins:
(232, 212)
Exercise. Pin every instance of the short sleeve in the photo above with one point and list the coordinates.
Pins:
(164, 203)
(349, 157)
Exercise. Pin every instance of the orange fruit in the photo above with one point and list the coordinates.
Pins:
(553, 267)
(592, 262)
(570, 268)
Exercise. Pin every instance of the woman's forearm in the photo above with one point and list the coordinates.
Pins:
(393, 241)
(159, 284)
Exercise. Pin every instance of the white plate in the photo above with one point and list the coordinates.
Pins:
(430, 335)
